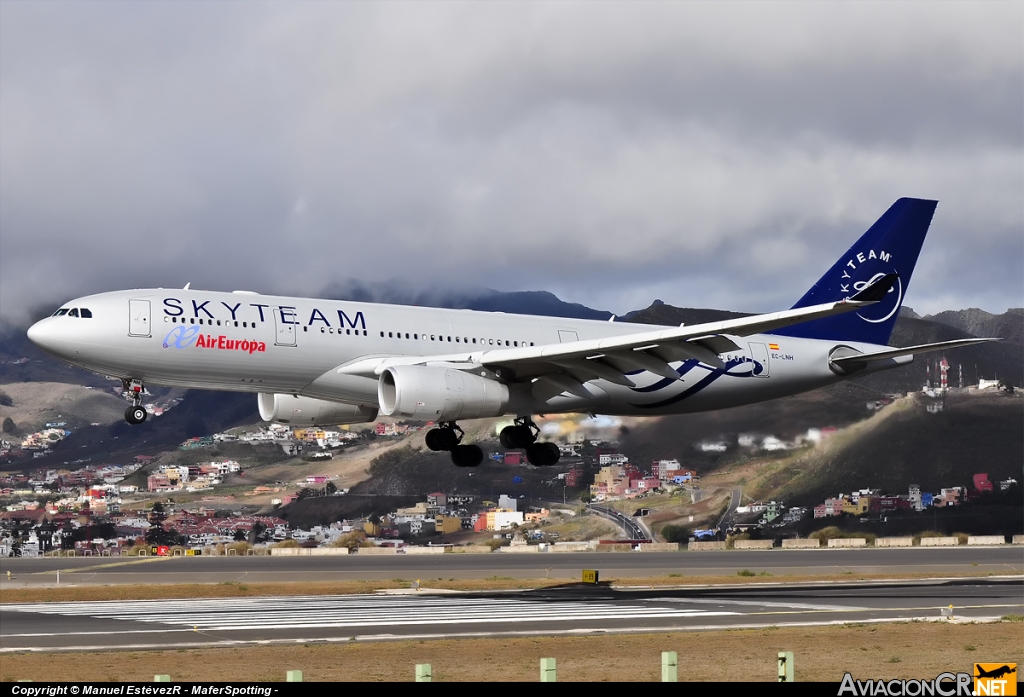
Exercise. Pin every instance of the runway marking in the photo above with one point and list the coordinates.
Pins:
(354, 611)
(219, 643)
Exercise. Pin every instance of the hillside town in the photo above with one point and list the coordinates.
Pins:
(91, 510)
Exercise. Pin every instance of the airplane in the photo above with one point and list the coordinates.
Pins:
(995, 673)
(324, 362)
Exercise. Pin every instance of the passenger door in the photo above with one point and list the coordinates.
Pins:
(138, 318)
(759, 352)
(285, 332)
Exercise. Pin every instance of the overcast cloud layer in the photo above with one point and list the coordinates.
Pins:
(712, 155)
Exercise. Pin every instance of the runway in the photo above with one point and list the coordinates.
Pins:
(935, 561)
(567, 610)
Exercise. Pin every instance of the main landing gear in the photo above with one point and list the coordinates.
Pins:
(448, 436)
(522, 434)
(133, 390)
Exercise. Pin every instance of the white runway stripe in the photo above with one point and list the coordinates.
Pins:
(354, 611)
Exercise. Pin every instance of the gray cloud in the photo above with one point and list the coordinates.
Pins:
(708, 154)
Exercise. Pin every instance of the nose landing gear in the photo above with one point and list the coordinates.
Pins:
(448, 436)
(133, 390)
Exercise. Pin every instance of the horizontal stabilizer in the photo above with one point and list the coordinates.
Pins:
(860, 358)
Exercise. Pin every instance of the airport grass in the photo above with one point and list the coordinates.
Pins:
(882, 650)
(235, 589)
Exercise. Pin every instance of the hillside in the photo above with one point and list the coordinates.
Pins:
(403, 476)
(33, 404)
(975, 433)
(1009, 325)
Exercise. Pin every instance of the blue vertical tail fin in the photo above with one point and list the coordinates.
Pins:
(891, 245)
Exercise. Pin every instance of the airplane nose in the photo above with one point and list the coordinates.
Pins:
(43, 334)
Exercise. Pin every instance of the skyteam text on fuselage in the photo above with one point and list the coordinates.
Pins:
(316, 362)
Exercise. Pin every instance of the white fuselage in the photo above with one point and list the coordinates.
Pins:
(257, 343)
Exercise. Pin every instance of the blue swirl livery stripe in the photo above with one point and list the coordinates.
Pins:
(755, 369)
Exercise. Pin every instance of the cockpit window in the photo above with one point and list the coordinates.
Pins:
(62, 311)
(73, 312)
(86, 312)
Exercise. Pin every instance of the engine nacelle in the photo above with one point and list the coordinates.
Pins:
(439, 394)
(306, 411)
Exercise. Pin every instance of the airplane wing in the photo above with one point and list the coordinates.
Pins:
(567, 365)
(862, 358)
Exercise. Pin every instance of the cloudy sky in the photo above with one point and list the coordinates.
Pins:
(711, 155)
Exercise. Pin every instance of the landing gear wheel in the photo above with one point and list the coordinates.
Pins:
(467, 455)
(516, 437)
(431, 439)
(542, 454)
(446, 436)
(135, 415)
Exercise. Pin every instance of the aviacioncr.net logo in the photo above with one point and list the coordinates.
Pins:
(181, 337)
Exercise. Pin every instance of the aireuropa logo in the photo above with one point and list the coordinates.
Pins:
(995, 679)
(181, 337)
(943, 685)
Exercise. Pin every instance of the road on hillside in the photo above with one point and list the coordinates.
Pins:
(630, 527)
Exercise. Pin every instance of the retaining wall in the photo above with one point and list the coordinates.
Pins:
(571, 547)
(424, 550)
(377, 551)
(753, 544)
(520, 549)
(659, 547)
(698, 546)
(624, 547)
(472, 549)
(806, 543)
(308, 552)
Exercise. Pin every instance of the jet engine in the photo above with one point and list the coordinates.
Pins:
(439, 394)
(306, 411)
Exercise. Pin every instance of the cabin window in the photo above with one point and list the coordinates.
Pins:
(348, 331)
(218, 323)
